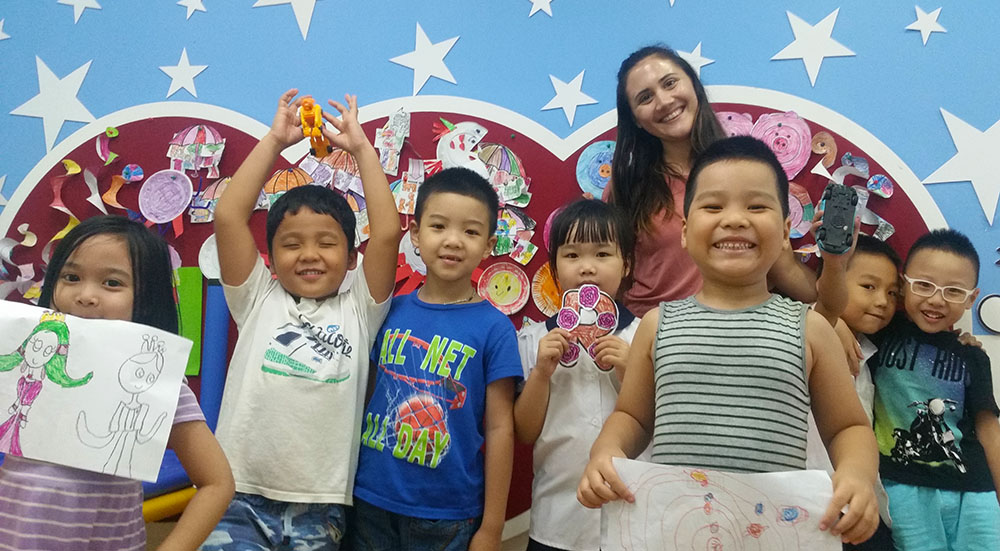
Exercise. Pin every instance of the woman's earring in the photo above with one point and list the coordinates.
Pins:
(416, 251)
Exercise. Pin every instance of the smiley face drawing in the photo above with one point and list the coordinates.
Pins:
(506, 286)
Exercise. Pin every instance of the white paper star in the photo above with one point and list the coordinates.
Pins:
(813, 43)
(56, 101)
(695, 59)
(182, 75)
(79, 6)
(192, 6)
(568, 96)
(926, 23)
(3, 35)
(540, 5)
(671, 3)
(303, 10)
(968, 165)
(427, 60)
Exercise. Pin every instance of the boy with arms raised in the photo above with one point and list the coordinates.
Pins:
(296, 384)
(724, 379)
(438, 436)
(935, 413)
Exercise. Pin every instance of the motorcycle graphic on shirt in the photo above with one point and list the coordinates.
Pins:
(929, 439)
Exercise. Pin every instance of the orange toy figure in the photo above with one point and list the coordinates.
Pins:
(312, 125)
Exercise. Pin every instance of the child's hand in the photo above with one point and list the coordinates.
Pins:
(967, 339)
(350, 136)
(286, 128)
(861, 519)
(601, 483)
(551, 347)
(611, 350)
(485, 541)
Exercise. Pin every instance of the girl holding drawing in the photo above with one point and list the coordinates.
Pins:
(591, 243)
(41, 356)
(109, 267)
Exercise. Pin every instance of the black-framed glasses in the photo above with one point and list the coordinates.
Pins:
(924, 288)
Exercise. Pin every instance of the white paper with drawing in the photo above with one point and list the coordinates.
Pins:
(98, 395)
(685, 508)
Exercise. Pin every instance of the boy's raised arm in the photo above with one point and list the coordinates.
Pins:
(237, 250)
(845, 430)
(383, 219)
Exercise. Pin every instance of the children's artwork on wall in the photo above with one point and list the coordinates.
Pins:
(165, 196)
(98, 395)
(197, 147)
(682, 508)
(506, 286)
(588, 313)
(593, 168)
(457, 145)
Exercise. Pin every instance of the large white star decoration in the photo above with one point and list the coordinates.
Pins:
(671, 3)
(182, 75)
(926, 23)
(3, 35)
(56, 101)
(79, 6)
(813, 43)
(695, 59)
(540, 5)
(303, 10)
(568, 96)
(969, 165)
(427, 60)
(192, 6)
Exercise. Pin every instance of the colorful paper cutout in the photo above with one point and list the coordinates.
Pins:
(593, 168)
(283, 180)
(588, 314)
(523, 252)
(165, 196)
(132, 173)
(824, 144)
(457, 145)
(197, 147)
(505, 173)
(735, 124)
(545, 291)
(95, 197)
(880, 185)
(103, 145)
(506, 286)
(800, 210)
(389, 140)
(788, 135)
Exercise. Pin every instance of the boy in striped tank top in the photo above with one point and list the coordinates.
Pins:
(725, 379)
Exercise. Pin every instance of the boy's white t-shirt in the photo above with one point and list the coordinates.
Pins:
(291, 410)
(581, 397)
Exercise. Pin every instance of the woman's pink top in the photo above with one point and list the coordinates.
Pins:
(663, 270)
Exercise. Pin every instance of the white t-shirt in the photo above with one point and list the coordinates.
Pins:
(816, 454)
(291, 411)
(581, 397)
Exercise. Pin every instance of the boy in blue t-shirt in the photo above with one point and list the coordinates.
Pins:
(446, 363)
(935, 414)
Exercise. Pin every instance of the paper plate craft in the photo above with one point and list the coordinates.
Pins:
(505, 285)
(880, 185)
(735, 124)
(788, 135)
(593, 168)
(544, 291)
(824, 144)
(800, 210)
(506, 173)
(165, 196)
(457, 145)
(588, 314)
(284, 180)
(208, 258)
(197, 147)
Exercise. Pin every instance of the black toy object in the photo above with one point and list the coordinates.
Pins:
(835, 235)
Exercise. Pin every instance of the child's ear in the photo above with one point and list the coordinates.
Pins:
(787, 244)
(684, 227)
(352, 259)
(972, 299)
(414, 229)
(492, 242)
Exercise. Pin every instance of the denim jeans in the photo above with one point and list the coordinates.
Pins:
(253, 522)
(375, 529)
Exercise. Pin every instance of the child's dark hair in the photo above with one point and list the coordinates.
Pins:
(869, 245)
(463, 182)
(319, 199)
(593, 221)
(738, 148)
(638, 167)
(947, 240)
(153, 298)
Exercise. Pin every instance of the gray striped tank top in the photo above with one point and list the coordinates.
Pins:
(730, 386)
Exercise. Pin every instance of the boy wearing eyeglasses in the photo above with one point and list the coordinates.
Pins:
(935, 413)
